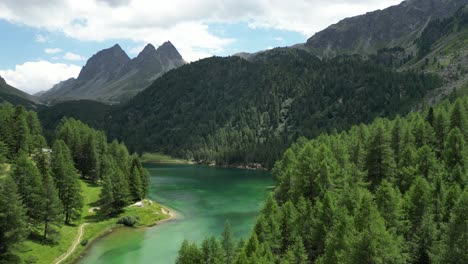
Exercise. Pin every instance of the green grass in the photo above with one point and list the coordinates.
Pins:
(161, 158)
(37, 252)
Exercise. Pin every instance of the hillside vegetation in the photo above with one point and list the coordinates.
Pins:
(234, 111)
(46, 193)
(393, 191)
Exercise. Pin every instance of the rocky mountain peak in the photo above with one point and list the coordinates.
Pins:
(148, 52)
(106, 63)
(169, 51)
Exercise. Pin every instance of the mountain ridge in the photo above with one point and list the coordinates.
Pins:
(13, 95)
(397, 25)
(111, 76)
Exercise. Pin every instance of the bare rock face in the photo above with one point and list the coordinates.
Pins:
(398, 25)
(111, 76)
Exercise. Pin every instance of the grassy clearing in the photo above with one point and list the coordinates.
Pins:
(162, 158)
(35, 252)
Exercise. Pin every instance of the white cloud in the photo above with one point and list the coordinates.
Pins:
(279, 39)
(35, 76)
(183, 22)
(73, 57)
(41, 38)
(52, 50)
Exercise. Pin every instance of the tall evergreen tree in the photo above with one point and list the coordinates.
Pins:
(458, 118)
(53, 209)
(372, 243)
(455, 152)
(455, 240)
(137, 179)
(380, 163)
(228, 243)
(29, 182)
(13, 219)
(66, 178)
(389, 203)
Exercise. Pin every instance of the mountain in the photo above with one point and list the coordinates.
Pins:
(14, 96)
(442, 49)
(398, 25)
(235, 111)
(111, 76)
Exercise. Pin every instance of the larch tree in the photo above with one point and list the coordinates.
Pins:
(13, 219)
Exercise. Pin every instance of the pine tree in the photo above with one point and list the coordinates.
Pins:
(37, 139)
(53, 209)
(3, 152)
(440, 129)
(89, 160)
(380, 163)
(427, 162)
(458, 118)
(115, 193)
(13, 219)
(418, 201)
(289, 225)
(66, 178)
(228, 243)
(137, 179)
(455, 149)
(389, 203)
(252, 245)
(189, 254)
(212, 252)
(455, 240)
(28, 179)
(21, 134)
(107, 195)
(422, 240)
(372, 243)
(397, 135)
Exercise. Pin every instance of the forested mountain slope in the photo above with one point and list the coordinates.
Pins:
(442, 48)
(390, 192)
(233, 111)
(12, 95)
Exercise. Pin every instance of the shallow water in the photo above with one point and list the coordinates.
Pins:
(204, 198)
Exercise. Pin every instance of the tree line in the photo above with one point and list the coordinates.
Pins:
(231, 111)
(389, 192)
(42, 190)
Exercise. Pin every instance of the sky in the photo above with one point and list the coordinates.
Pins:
(48, 41)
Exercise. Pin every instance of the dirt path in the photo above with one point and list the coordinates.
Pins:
(73, 246)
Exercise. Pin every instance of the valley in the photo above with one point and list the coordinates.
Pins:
(351, 147)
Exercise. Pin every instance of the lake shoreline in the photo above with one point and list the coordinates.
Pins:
(110, 230)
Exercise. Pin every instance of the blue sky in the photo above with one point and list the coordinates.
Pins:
(45, 42)
(26, 43)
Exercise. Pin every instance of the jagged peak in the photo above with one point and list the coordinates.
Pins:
(169, 50)
(148, 51)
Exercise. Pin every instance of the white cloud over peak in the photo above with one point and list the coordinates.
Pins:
(183, 22)
(73, 57)
(35, 76)
(52, 50)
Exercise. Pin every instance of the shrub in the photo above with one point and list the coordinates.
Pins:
(128, 220)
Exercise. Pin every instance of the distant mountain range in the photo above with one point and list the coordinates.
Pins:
(111, 76)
